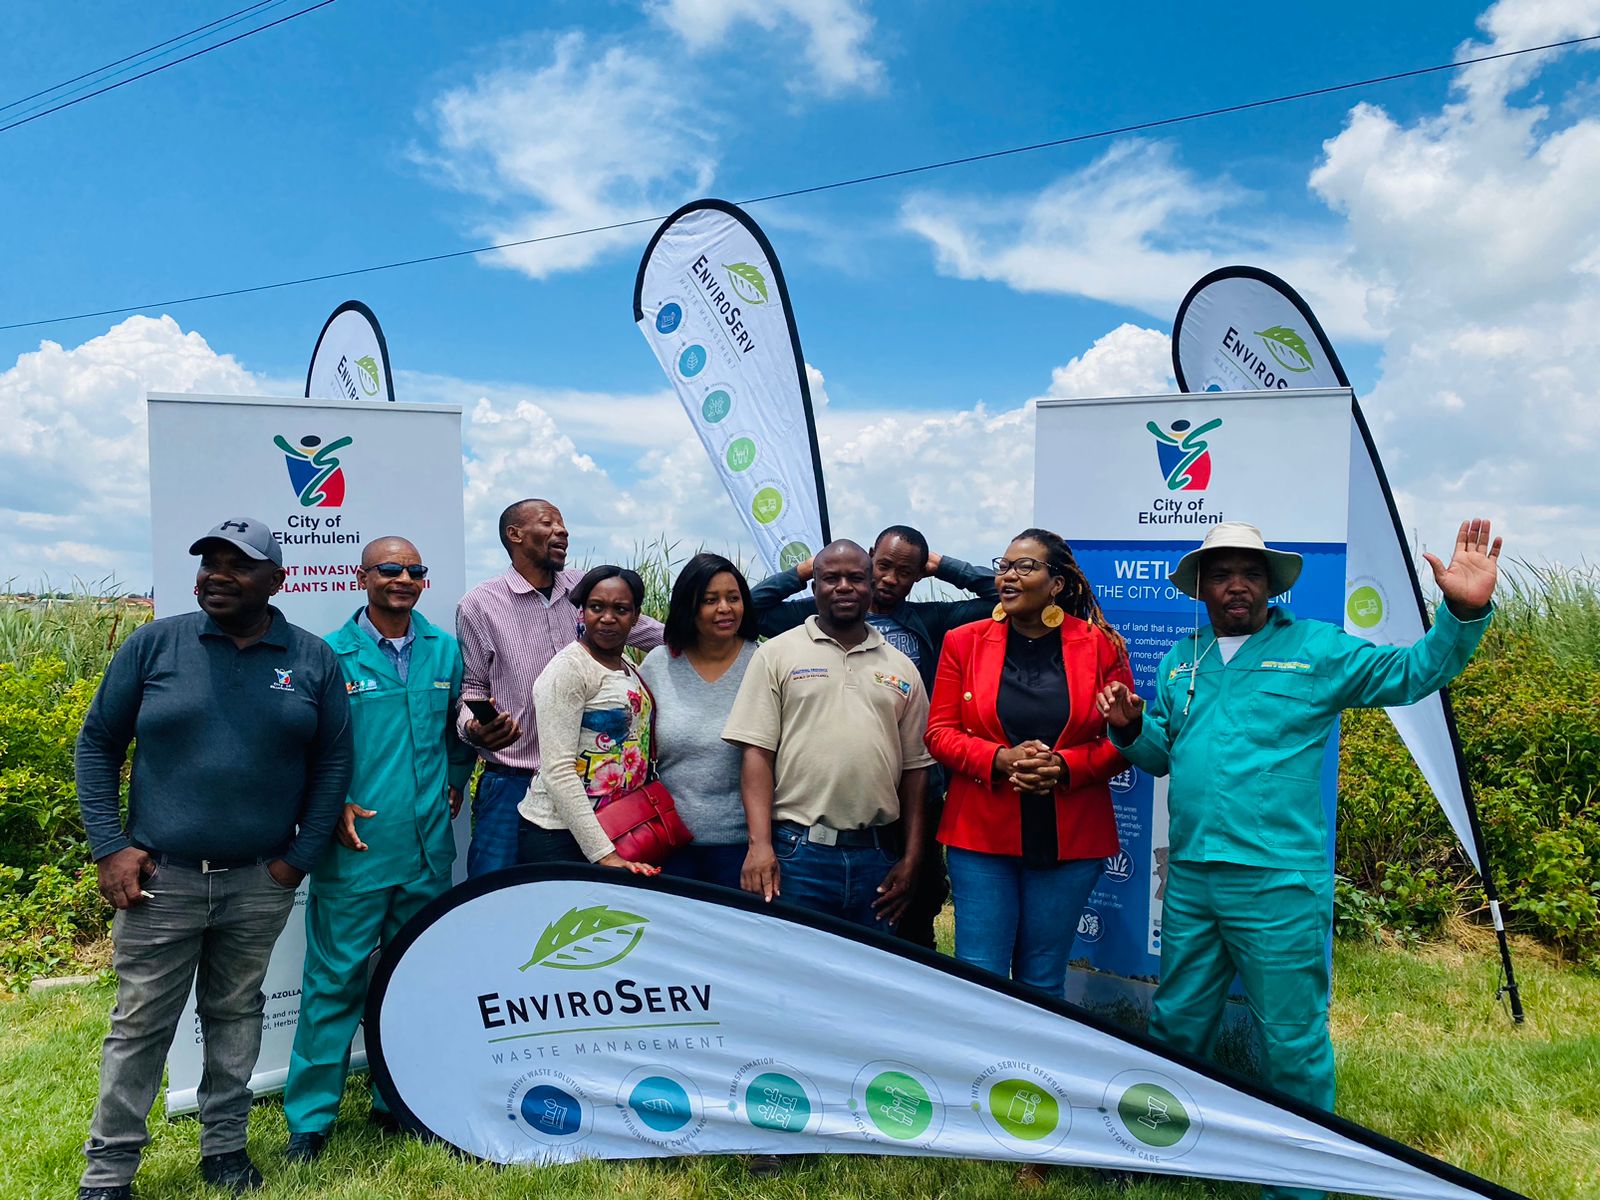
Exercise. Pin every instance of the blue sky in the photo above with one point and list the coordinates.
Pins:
(365, 132)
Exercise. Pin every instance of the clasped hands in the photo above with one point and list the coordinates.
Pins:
(1030, 766)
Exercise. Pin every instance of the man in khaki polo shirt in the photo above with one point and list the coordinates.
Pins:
(831, 719)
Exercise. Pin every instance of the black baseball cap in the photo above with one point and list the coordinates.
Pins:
(253, 537)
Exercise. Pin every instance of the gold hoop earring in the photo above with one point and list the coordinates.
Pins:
(999, 613)
(1053, 615)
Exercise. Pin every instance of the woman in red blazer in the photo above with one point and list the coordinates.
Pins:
(1027, 820)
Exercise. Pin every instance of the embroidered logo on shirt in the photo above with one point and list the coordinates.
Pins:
(285, 680)
(1273, 664)
(442, 684)
(359, 687)
(900, 685)
(809, 673)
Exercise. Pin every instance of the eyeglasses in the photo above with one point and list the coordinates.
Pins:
(392, 570)
(1022, 566)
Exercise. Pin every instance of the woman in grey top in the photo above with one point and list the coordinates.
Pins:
(710, 633)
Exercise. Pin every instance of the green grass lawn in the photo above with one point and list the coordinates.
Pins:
(1425, 1056)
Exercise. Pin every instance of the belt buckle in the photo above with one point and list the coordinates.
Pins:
(207, 869)
(822, 835)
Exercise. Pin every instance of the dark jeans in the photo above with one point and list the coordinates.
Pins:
(1014, 920)
(215, 931)
(494, 822)
(841, 881)
(932, 887)
(539, 845)
(709, 864)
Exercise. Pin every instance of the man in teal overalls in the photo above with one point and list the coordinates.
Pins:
(1240, 718)
(403, 676)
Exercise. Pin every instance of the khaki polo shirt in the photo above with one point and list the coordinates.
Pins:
(844, 723)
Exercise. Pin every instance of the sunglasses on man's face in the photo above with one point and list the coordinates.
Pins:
(392, 570)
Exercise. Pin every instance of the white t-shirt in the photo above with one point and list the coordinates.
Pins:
(1230, 645)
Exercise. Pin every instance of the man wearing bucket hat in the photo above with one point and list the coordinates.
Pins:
(1240, 719)
(239, 776)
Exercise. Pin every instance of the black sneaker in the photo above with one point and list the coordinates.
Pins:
(233, 1171)
(384, 1121)
(303, 1147)
(122, 1191)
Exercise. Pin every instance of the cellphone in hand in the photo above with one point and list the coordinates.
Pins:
(482, 711)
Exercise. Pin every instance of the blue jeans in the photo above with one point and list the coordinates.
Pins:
(215, 931)
(494, 822)
(1016, 921)
(841, 881)
(708, 864)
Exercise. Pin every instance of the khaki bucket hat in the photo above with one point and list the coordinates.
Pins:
(1283, 566)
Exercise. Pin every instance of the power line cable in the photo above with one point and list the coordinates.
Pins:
(182, 40)
(1075, 139)
(167, 66)
(138, 53)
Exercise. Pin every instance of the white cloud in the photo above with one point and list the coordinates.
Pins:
(1128, 361)
(1136, 228)
(589, 137)
(74, 466)
(835, 34)
(1476, 227)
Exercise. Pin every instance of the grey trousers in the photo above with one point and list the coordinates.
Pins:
(215, 931)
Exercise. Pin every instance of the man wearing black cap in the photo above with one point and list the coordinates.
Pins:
(239, 778)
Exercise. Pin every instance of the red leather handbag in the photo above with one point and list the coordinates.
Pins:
(644, 824)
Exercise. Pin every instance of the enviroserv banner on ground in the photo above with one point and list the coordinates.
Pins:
(351, 357)
(329, 476)
(1134, 484)
(1241, 328)
(711, 300)
(551, 1014)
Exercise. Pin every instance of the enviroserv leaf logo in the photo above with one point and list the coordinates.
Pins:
(1183, 454)
(367, 373)
(314, 470)
(1287, 348)
(582, 939)
(748, 282)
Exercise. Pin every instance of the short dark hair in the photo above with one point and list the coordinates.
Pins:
(579, 595)
(697, 574)
(905, 532)
(509, 515)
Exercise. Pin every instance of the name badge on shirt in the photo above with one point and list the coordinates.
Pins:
(360, 687)
(442, 684)
(900, 685)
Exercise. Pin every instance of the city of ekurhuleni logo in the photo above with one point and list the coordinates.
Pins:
(314, 470)
(1184, 454)
(582, 939)
(1287, 348)
(748, 282)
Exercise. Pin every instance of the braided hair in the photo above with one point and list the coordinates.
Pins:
(1077, 597)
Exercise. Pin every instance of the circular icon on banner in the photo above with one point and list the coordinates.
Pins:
(897, 1101)
(741, 455)
(692, 361)
(792, 555)
(1151, 1115)
(766, 505)
(1124, 780)
(1365, 607)
(716, 406)
(1023, 1109)
(1090, 926)
(778, 1102)
(550, 1107)
(669, 318)
(1119, 867)
(661, 1103)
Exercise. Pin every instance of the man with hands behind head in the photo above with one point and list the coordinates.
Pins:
(394, 847)
(1240, 718)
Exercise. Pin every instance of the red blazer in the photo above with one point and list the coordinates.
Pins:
(964, 733)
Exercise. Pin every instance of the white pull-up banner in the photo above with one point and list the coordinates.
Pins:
(550, 1014)
(1241, 328)
(351, 358)
(710, 299)
(328, 476)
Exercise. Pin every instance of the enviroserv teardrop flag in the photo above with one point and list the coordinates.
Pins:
(1241, 328)
(711, 300)
(351, 358)
(555, 1013)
